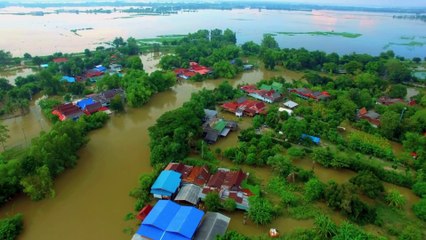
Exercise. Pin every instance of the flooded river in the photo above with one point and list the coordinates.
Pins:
(43, 35)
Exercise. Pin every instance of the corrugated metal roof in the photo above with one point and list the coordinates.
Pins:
(84, 102)
(220, 125)
(184, 223)
(168, 181)
(213, 224)
(189, 193)
(291, 104)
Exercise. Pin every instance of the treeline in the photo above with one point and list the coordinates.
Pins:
(216, 49)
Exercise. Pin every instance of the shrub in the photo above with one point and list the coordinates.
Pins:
(11, 227)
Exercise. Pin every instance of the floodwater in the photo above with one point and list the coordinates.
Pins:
(11, 75)
(92, 199)
(43, 35)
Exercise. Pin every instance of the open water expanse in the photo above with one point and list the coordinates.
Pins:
(42, 35)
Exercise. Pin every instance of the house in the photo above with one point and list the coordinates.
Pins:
(209, 115)
(198, 176)
(45, 65)
(389, 101)
(94, 107)
(227, 184)
(115, 68)
(217, 127)
(106, 96)
(144, 212)
(290, 105)
(100, 68)
(308, 94)
(68, 79)
(181, 168)
(92, 73)
(288, 111)
(213, 225)
(84, 102)
(166, 185)
(266, 96)
(194, 69)
(315, 140)
(242, 106)
(371, 116)
(67, 111)
(247, 67)
(60, 60)
(169, 221)
(188, 194)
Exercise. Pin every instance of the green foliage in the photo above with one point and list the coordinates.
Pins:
(39, 185)
(212, 202)
(395, 199)
(281, 164)
(280, 187)
(229, 205)
(224, 69)
(11, 227)
(389, 124)
(419, 188)
(325, 228)
(411, 232)
(260, 211)
(295, 152)
(369, 184)
(314, 189)
(232, 235)
(398, 91)
(4, 135)
(93, 121)
(420, 209)
(170, 62)
(142, 192)
(47, 105)
(134, 62)
(397, 72)
(116, 103)
(369, 144)
(349, 231)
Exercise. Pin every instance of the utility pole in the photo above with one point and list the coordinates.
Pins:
(402, 114)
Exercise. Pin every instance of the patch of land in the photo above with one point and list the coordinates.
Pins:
(320, 33)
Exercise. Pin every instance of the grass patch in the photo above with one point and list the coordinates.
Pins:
(302, 212)
(407, 44)
(161, 39)
(319, 33)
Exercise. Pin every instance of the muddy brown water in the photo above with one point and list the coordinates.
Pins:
(92, 199)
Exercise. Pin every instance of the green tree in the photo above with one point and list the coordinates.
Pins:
(232, 235)
(170, 62)
(395, 199)
(324, 228)
(280, 164)
(116, 103)
(250, 48)
(369, 183)
(11, 227)
(4, 135)
(269, 41)
(398, 91)
(39, 185)
(397, 72)
(314, 189)
(349, 231)
(420, 209)
(118, 41)
(330, 67)
(134, 62)
(353, 67)
(260, 211)
(212, 202)
(224, 69)
(389, 124)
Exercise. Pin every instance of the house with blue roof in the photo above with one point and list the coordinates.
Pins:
(100, 68)
(315, 140)
(166, 185)
(68, 79)
(170, 221)
(82, 104)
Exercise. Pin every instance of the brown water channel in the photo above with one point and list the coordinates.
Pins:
(92, 199)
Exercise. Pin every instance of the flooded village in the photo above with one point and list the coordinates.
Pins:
(207, 136)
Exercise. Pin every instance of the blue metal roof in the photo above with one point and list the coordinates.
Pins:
(82, 104)
(316, 140)
(167, 183)
(170, 221)
(100, 68)
(184, 223)
(68, 79)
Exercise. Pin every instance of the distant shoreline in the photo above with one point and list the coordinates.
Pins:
(221, 6)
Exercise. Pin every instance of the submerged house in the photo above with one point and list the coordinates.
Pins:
(166, 184)
(227, 184)
(169, 221)
(309, 94)
(217, 127)
(243, 107)
(194, 69)
(266, 93)
(198, 176)
(105, 97)
(188, 194)
(181, 168)
(67, 111)
(389, 101)
(371, 116)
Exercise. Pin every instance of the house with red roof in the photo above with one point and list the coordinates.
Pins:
(227, 184)
(242, 106)
(181, 168)
(198, 176)
(389, 101)
(60, 60)
(266, 93)
(194, 68)
(67, 111)
(371, 116)
(309, 94)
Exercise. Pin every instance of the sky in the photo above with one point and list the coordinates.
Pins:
(365, 3)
